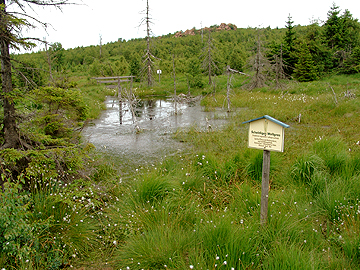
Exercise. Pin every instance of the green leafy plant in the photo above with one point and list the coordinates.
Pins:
(16, 234)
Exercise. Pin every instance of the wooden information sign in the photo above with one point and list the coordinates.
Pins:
(266, 133)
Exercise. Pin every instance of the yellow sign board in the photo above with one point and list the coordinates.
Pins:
(266, 133)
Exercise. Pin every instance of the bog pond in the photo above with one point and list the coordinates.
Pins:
(115, 131)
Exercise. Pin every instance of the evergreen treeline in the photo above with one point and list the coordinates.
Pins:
(306, 52)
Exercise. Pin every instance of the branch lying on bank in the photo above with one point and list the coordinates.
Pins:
(336, 102)
(236, 71)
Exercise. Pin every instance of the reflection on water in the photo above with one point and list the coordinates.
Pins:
(114, 131)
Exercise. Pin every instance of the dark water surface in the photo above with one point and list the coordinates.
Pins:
(114, 132)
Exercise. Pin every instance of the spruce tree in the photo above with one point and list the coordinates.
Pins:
(333, 27)
(237, 59)
(288, 49)
(305, 69)
(321, 54)
(11, 26)
(352, 63)
(341, 33)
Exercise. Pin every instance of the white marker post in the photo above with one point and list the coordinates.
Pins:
(159, 72)
(266, 133)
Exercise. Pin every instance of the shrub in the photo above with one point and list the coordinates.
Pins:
(42, 168)
(16, 234)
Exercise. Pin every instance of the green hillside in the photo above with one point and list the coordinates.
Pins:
(330, 48)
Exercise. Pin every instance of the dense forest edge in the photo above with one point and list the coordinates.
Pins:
(66, 205)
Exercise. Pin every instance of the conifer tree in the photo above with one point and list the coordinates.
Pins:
(135, 67)
(305, 69)
(11, 26)
(321, 54)
(351, 31)
(352, 63)
(333, 27)
(341, 33)
(288, 50)
(193, 73)
(237, 59)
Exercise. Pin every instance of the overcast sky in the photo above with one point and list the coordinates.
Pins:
(82, 24)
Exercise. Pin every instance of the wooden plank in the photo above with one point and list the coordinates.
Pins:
(112, 78)
(114, 81)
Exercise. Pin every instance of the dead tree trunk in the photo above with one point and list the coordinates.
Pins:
(228, 87)
(148, 55)
(175, 96)
(49, 61)
(279, 70)
(261, 66)
(230, 72)
(210, 58)
(132, 104)
(100, 46)
(208, 64)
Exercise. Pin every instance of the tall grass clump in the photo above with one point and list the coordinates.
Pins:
(334, 152)
(223, 173)
(40, 232)
(208, 165)
(70, 228)
(246, 200)
(330, 200)
(223, 243)
(254, 164)
(287, 257)
(354, 166)
(305, 167)
(349, 239)
(324, 175)
(152, 189)
(160, 247)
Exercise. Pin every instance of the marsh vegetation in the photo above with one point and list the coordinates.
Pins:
(66, 202)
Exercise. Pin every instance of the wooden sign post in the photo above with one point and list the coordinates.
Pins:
(266, 133)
